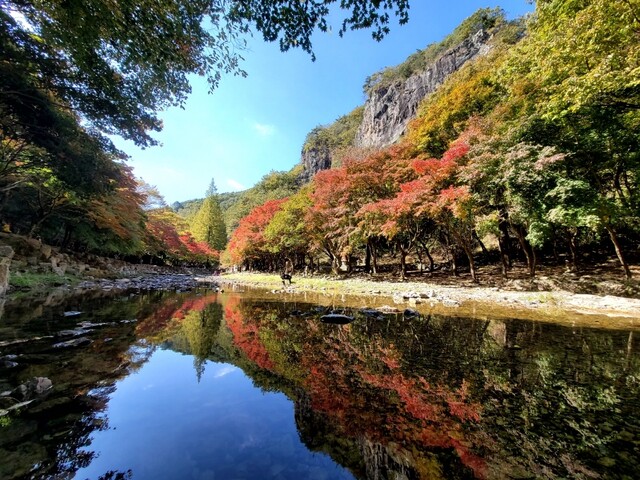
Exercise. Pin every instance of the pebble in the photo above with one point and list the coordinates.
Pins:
(449, 302)
(179, 282)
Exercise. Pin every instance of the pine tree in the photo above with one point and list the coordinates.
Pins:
(208, 224)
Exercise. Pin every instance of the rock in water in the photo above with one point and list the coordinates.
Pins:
(76, 342)
(33, 388)
(336, 318)
(410, 313)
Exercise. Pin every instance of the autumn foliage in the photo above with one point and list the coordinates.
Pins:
(531, 148)
(248, 242)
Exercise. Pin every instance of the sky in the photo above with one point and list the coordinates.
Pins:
(250, 126)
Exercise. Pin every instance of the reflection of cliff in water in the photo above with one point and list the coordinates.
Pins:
(443, 397)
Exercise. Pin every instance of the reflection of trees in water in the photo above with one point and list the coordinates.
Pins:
(115, 475)
(197, 334)
(51, 438)
(571, 394)
(335, 367)
(502, 398)
(425, 398)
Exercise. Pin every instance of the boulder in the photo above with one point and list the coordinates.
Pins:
(45, 251)
(31, 389)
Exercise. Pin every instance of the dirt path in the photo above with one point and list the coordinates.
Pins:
(464, 299)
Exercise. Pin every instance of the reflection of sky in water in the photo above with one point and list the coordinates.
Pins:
(164, 424)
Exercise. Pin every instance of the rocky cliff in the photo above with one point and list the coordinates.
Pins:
(313, 160)
(389, 108)
(387, 111)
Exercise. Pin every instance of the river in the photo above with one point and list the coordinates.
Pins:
(250, 385)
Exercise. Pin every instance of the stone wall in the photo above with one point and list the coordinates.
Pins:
(21, 254)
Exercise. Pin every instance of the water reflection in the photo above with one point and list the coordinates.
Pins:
(214, 385)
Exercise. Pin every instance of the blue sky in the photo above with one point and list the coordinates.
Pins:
(250, 126)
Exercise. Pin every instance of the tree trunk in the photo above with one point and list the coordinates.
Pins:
(454, 264)
(431, 262)
(472, 265)
(374, 259)
(619, 253)
(503, 259)
(335, 264)
(554, 245)
(485, 252)
(367, 257)
(573, 248)
(504, 241)
(529, 252)
(403, 262)
(428, 254)
(370, 262)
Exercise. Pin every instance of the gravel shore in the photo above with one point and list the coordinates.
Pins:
(465, 299)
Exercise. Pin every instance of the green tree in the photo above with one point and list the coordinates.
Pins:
(208, 223)
(119, 63)
(286, 233)
(273, 186)
(573, 84)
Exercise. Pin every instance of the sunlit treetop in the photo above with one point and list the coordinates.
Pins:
(118, 63)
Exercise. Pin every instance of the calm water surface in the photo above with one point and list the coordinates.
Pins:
(208, 385)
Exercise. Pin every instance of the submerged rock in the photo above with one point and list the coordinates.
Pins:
(23, 340)
(31, 389)
(72, 333)
(76, 342)
(8, 364)
(336, 318)
(93, 325)
(386, 309)
(370, 312)
(410, 313)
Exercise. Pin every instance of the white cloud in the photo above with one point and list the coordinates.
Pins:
(225, 370)
(264, 130)
(235, 184)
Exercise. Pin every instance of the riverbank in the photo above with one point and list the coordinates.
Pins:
(464, 299)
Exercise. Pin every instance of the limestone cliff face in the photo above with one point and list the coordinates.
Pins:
(389, 109)
(313, 160)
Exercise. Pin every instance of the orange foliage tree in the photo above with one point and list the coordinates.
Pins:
(248, 244)
(170, 239)
(340, 193)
